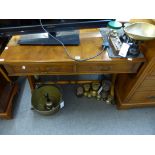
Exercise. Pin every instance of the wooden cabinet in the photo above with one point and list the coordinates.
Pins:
(8, 91)
(148, 84)
(139, 89)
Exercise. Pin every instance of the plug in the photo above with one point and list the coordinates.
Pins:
(105, 45)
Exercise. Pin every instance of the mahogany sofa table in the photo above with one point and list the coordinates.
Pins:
(25, 60)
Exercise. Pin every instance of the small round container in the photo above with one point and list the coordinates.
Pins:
(114, 25)
(39, 100)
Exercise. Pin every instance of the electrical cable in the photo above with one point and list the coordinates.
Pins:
(66, 50)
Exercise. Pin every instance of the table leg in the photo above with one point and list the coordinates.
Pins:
(31, 81)
(5, 75)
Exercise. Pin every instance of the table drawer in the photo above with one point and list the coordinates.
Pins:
(146, 96)
(107, 67)
(39, 69)
(147, 85)
(71, 68)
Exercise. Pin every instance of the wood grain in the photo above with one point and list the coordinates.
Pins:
(139, 88)
(52, 60)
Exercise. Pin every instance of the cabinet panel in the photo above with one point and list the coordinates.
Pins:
(107, 67)
(146, 96)
(147, 85)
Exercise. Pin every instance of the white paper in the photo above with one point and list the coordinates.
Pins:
(62, 104)
(77, 57)
(124, 50)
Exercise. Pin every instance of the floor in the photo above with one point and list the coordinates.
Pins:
(80, 116)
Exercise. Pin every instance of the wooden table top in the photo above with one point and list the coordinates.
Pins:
(90, 43)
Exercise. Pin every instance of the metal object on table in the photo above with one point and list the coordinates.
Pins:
(115, 41)
(40, 103)
(140, 31)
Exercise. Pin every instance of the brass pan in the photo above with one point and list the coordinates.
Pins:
(140, 31)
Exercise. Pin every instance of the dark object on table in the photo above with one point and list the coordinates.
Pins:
(65, 30)
(115, 44)
(133, 50)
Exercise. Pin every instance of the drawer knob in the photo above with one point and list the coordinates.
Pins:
(24, 67)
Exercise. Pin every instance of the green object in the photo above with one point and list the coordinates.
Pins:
(39, 99)
(114, 24)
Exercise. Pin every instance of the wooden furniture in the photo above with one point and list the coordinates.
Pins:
(139, 88)
(8, 91)
(52, 60)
